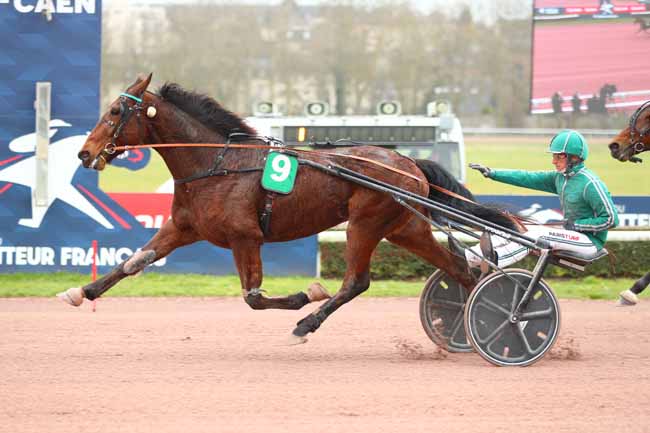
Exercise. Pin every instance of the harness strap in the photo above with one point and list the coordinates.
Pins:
(265, 217)
(210, 173)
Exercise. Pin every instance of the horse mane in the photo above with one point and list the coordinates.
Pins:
(204, 109)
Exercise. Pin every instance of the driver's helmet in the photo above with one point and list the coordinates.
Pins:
(570, 142)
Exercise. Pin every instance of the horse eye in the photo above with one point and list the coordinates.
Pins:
(115, 111)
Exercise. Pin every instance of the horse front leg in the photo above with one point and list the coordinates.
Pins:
(249, 265)
(166, 240)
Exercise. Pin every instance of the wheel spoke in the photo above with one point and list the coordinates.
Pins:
(532, 315)
(524, 340)
(495, 334)
(445, 303)
(462, 295)
(495, 306)
(456, 325)
(515, 295)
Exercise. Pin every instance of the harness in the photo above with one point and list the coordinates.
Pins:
(267, 210)
(126, 111)
(637, 144)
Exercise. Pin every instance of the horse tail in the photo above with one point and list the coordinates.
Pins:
(437, 175)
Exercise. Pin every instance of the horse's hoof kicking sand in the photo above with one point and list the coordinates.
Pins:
(73, 296)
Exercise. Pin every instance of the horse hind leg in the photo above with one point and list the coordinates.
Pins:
(359, 248)
(629, 297)
(416, 237)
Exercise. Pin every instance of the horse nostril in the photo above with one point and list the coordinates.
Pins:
(83, 155)
(613, 146)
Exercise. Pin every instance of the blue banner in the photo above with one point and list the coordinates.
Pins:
(60, 42)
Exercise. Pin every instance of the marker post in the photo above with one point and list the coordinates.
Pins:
(93, 270)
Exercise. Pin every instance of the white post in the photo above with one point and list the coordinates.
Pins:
(42, 106)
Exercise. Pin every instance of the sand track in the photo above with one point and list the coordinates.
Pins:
(214, 365)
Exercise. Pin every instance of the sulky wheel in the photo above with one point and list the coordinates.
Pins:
(442, 305)
(507, 342)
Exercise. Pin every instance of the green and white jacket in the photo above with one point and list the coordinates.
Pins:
(584, 198)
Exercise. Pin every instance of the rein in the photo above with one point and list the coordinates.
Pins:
(127, 111)
(214, 171)
(267, 147)
(638, 145)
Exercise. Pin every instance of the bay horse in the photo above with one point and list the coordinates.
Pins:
(635, 138)
(218, 198)
(644, 25)
(627, 144)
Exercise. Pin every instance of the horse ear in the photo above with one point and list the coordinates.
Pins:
(140, 85)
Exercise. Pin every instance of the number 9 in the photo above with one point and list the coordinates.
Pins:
(282, 168)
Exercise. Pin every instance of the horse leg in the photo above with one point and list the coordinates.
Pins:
(360, 245)
(249, 265)
(416, 237)
(166, 240)
(641, 284)
(629, 296)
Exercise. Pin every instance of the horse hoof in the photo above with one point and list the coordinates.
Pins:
(295, 340)
(73, 296)
(627, 298)
(317, 292)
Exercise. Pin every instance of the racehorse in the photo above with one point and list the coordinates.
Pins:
(625, 146)
(218, 198)
(644, 26)
(635, 138)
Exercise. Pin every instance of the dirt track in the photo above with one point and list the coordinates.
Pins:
(199, 365)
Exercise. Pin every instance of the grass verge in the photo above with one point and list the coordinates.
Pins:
(45, 285)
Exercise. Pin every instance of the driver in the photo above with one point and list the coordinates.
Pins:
(585, 200)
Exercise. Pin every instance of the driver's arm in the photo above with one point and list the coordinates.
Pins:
(538, 180)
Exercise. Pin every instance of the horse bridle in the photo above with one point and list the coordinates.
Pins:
(126, 112)
(638, 145)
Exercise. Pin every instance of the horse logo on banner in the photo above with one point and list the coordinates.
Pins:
(21, 170)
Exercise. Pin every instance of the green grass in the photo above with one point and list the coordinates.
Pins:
(526, 153)
(152, 284)
(118, 179)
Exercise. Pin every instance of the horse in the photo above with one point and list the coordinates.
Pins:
(635, 138)
(218, 198)
(628, 143)
(644, 25)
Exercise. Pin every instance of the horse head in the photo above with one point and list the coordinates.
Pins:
(125, 122)
(635, 138)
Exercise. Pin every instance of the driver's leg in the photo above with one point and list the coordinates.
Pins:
(561, 239)
(507, 252)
